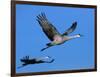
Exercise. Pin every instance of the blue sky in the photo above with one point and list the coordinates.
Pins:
(30, 39)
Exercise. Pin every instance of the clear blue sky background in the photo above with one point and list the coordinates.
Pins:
(30, 39)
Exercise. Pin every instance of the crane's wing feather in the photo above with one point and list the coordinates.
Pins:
(71, 29)
(47, 27)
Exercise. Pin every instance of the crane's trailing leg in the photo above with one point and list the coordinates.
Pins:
(48, 46)
(45, 48)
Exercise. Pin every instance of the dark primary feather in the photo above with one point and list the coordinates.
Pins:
(71, 29)
(47, 27)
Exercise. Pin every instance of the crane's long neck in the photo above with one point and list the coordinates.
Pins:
(75, 36)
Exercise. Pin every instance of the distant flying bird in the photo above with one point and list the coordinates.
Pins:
(53, 34)
(27, 61)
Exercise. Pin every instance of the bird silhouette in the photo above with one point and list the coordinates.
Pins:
(53, 34)
(27, 61)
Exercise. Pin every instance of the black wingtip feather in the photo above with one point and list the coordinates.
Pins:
(42, 16)
(75, 23)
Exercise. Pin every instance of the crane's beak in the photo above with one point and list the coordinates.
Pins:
(81, 35)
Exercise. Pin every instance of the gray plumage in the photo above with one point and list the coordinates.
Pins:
(47, 27)
(52, 33)
(71, 29)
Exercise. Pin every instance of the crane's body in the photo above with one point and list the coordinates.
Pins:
(53, 34)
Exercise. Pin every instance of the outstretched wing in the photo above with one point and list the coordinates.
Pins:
(47, 27)
(71, 29)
